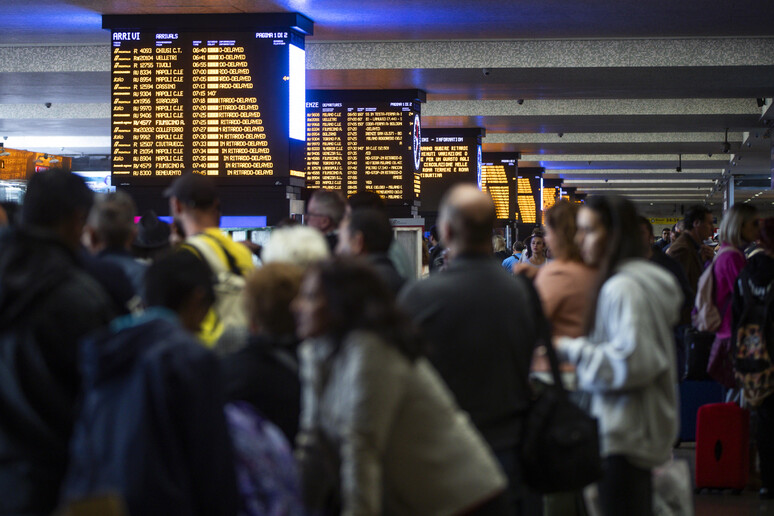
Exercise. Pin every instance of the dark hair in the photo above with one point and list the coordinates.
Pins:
(366, 199)
(12, 211)
(528, 242)
(54, 196)
(357, 299)
(517, 246)
(645, 222)
(694, 213)
(170, 280)
(434, 232)
(375, 228)
(767, 234)
(624, 240)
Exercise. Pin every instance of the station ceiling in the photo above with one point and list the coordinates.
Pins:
(621, 90)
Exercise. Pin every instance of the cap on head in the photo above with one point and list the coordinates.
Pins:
(193, 190)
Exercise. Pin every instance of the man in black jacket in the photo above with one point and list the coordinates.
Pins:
(47, 302)
(480, 331)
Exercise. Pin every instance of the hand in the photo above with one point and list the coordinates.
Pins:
(706, 252)
(525, 270)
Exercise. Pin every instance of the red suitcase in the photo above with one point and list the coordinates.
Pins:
(722, 446)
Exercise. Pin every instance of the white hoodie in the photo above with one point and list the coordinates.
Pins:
(628, 363)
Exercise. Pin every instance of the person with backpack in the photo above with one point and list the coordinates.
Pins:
(150, 430)
(752, 339)
(195, 205)
(738, 228)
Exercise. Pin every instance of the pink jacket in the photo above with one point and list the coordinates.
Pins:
(727, 267)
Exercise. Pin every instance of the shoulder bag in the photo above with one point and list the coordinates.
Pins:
(559, 449)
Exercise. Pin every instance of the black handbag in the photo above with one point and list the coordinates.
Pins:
(698, 345)
(559, 449)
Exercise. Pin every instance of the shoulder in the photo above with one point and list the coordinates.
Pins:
(729, 256)
(366, 354)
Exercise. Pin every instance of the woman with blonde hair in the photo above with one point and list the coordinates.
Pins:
(738, 229)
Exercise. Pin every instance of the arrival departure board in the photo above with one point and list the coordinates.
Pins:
(449, 156)
(528, 190)
(552, 192)
(498, 178)
(364, 140)
(225, 102)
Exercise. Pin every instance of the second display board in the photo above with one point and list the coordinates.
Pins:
(364, 140)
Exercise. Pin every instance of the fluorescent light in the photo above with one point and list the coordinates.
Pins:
(297, 93)
(36, 142)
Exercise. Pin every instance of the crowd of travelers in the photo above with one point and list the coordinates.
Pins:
(151, 368)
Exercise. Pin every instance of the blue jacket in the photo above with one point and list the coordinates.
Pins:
(151, 426)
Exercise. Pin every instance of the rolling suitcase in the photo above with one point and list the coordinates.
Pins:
(694, 394)
(722, 446)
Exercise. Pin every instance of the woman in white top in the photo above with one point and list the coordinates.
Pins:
(626, 361)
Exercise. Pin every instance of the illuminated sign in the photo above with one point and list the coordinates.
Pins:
(218, 95)
(364, 140)
(528, 195)
(498, 178)
(449, 156)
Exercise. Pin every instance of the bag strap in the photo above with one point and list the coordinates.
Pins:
(232, 265)
(543, 337)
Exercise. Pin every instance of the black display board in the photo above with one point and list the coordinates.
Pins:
(365, 140)
(499, 171)
(449, 156)
(213, 94)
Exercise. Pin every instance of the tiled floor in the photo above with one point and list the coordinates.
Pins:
(725, 503)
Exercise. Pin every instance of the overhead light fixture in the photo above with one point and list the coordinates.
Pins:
(726, 145)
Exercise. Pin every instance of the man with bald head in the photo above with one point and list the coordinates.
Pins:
(477, 321)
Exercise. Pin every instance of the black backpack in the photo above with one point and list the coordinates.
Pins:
(752, 340)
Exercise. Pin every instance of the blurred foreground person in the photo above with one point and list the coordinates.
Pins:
(265, 372)
(151, 428)
(109, 233)
(367, 232)
(47, 302)
(400, 443)
(481, 333)
(627, 361)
